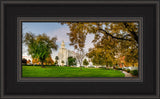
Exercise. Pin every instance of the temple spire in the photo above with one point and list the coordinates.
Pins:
(62, 45)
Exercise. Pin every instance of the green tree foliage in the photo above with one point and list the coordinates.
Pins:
(71, 61)
(40, 46)
(85, 62)
(56, 58)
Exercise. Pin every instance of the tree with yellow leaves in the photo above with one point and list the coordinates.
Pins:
(49, 60)
(124, 35)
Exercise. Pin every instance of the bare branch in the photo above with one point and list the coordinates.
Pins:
(114, 36)
(135, 36)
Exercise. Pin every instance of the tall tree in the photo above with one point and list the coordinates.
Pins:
(103, 52)
(79, 57)
(77, 37)
(123, 33)
(40, 46)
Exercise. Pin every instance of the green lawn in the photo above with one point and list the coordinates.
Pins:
(55, 71)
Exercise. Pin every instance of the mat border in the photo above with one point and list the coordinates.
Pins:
(82, 2)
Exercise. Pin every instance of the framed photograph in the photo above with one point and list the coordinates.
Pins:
(80, 49)
(94, 55)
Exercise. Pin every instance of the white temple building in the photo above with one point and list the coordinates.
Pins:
(64, 53)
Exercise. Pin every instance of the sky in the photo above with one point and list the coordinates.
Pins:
(52, 29)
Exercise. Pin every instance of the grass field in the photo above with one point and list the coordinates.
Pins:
(55, 71)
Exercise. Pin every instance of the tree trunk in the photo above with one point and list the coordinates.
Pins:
(80, 67)
(106, 65)
(106, 59)
(133, 64)
(42, 64)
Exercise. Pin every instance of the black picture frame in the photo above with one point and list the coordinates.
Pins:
(12, 9)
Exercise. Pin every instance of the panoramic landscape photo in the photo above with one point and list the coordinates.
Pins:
(80, 49)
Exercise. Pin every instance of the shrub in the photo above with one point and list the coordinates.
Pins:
(128, 70)
(91, 67)
(123, 69)
(102, 67)
(82, 66)
(116, 67)
(134, 72)
(119, 68)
